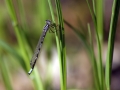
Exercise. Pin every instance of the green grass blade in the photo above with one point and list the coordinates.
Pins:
(59, 48)
(37, 80)
(94, 63)
(93, 14)
(5, 73)
(80, 36)
(22, 42)
(94, 9)
(12, 14)
(6, 47)
(18, 32)
(99, 38)
(62, 52)
(98, 23)
(22, 14)
(51, 11)
(99, 18)
(113, 25)
(89, 49)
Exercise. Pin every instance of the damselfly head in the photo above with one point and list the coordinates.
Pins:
(48, 22)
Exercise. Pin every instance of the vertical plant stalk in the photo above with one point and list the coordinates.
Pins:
(63, 70)
(56, 34)
(93, 14)
(17, 30)
(99, 37)
(95, 21)
(94, 9)
(113, 25)
(60, 40)
(94, 63)
(5, 73)
(5, 46)
(37, 80)
(22, 14)
(97, 17)
(22, 42)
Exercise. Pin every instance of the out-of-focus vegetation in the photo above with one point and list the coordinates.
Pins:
(21, 24)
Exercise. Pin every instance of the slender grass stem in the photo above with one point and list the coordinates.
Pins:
(37, 80)
(97, 17)
(99, 37)
(56, 34)
(111, 39)
(97, 30)
(60, 40)
(17, 30)
(51, 10)
(22, 14)
(22, 42)
(5, 46)
(93, 14)
(94, 9)
(60, 43)
(89, 49)
(94, 63)
(5, 73)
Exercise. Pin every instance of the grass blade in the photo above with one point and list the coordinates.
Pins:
(5, 73)
(22, 42)
(18, 32)
(99, 38)
(98, 23)
(93, 14)
(13, 52)
(62, 52)
(113, 25)
(94, 63)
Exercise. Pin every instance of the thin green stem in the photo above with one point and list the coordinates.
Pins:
(5, 72)
(62, 46)
(113, 25)
(97, 17)
(60, 40)
(37, 80)
(98, 28)
(93, 14)
(93, 1)
(17, 30)
(51, 10)
(99, 37)
(57, 42)
(22, 42)
(93, 59)
(56, 34)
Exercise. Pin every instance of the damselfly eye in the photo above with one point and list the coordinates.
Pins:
(48, 22)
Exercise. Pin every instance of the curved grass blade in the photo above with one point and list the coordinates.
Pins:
(13, 52)
(5, 73)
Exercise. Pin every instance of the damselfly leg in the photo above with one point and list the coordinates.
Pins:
(53, 28)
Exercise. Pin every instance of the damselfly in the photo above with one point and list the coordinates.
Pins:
(39, 45)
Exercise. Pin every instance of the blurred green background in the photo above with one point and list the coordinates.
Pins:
(20, 32)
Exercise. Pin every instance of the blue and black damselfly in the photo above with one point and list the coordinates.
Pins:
(48, 25)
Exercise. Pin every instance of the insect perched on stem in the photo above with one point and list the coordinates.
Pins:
(40, 42)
